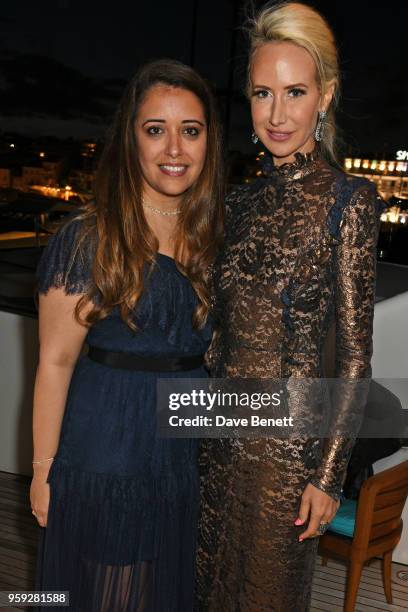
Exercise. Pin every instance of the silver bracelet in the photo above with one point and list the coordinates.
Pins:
(43, 460)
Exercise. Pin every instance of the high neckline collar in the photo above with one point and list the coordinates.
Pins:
(303, 164)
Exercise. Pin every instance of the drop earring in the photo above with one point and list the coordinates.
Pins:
(320, 126)
(254, 138)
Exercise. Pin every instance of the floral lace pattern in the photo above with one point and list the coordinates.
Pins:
(299, 257)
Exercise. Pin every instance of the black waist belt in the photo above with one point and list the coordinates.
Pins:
(129, 361)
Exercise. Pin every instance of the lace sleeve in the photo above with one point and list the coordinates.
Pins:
(63, 263)
(355, 270)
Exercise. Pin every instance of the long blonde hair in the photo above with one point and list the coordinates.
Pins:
(302, 25)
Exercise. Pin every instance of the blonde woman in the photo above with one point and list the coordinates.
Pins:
(299, 257)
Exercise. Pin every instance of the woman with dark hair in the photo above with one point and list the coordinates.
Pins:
(298, 261)
(128, 276)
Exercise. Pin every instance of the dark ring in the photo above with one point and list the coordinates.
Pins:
(322, 528)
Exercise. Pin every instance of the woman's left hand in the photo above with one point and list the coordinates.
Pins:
(319, 507)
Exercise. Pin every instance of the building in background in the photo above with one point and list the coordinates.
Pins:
(391, 179)
(5, 178)
(390, 176)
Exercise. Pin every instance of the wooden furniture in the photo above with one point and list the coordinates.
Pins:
(377, 530)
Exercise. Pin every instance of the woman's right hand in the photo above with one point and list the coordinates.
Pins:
(40, 495)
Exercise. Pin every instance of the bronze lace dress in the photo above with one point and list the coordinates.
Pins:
(299, 254)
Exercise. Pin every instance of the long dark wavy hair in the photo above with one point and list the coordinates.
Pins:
(124, 242)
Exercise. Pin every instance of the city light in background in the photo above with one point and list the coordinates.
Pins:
(44, 118)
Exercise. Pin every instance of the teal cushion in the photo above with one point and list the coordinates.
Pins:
(344, 521)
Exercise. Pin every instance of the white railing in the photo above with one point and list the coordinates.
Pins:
(390, 363)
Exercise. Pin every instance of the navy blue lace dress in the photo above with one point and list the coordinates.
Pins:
(121, 532)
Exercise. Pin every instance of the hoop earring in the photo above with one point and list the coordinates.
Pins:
(320, 126)
(254, 138)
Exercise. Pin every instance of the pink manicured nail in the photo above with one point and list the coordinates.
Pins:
(300, 539)
(298, 522)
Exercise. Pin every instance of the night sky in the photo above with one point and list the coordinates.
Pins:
(63, 64)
